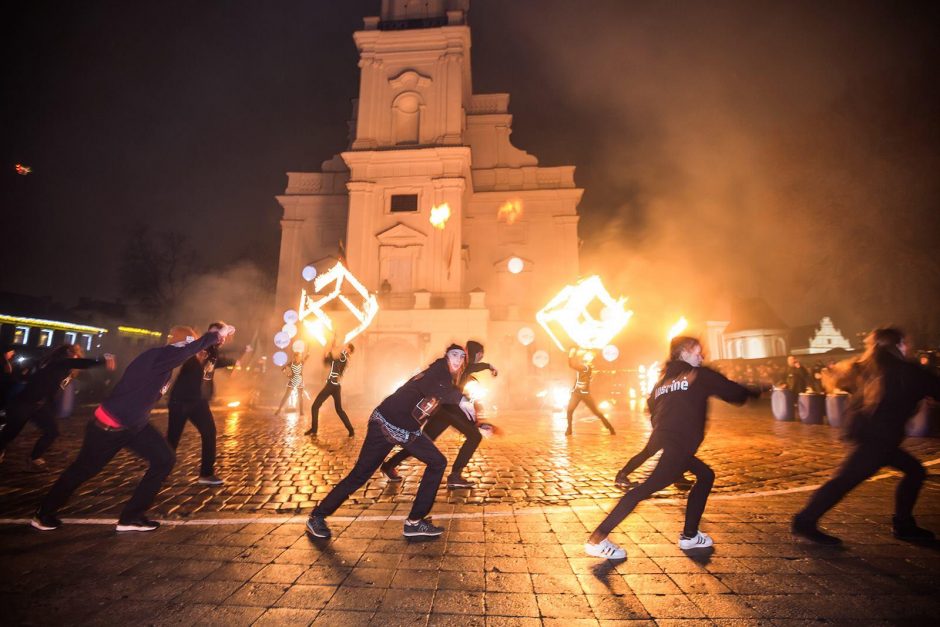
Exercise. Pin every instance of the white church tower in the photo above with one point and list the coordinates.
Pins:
(420, 138)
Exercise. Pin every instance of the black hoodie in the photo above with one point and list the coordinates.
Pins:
(679, 402)
(436, 382)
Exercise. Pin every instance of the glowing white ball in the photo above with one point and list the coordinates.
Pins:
(281, 339)
(290, 330)
(610, 352)
(525, 336)
(279, 358)
(299, 346)
(309, 273)
(290, 316)
(540, 359)
(515, 265)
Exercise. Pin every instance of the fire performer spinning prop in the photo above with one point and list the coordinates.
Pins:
(570, 310)
(452, 416)
(886, 390)
(679, 404)
(123, 421)
(332, 387)
(317, 322)
(397, 421)
(581, 392)
(36, 400)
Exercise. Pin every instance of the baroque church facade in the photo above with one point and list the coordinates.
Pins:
(419, 139)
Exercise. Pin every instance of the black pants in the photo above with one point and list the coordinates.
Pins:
(334, 390)
(374, 450)
(98, 448)
(862, 463)
(673, 462)
(448, 416)
(639, 459)
(19, 413)
(585, 397)
(198, 413)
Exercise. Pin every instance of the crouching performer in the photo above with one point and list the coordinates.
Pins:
(122, 421)
(397, 421)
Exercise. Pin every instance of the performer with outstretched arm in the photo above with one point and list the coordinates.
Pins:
(581, 392)
(451, 416)
(397, 421)
(886, 390)
(679, 405)
(36, 400)
(333, 387)
(123, 421)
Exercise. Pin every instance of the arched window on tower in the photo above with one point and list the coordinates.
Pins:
(406, 118)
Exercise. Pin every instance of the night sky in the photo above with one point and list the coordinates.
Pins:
(786, 150)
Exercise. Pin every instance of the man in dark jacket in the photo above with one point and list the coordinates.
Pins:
(886, 390)
(123, 421)
(189, 400)
(451, 416)
(679, 405)
(36, 400)
(397, 421)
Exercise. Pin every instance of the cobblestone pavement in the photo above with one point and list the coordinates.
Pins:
(512, 553)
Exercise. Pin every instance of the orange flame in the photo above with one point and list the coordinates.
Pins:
(510, 211)
(440, 215)
(680, 326)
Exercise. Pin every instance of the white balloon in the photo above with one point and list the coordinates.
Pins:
(540, 358)
(515, 265)
(299, 346)
(281, 339)
(610, 352)
(290, 330)
(279, 358)
(290, 316)
(309, 273)
(525, 336)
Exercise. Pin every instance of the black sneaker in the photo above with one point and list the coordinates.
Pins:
(316, 527)
(811, 532)
(141, 524)
(45, 522)
(311, 433)
(908, 530)
(352, 433)
(421, 528)
(391, 473)
(209, 480)
(455, 482)
(623, 482)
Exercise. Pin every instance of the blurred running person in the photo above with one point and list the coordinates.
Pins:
(122, 421)
(581, 392)
(451, 416)
(333, 387)
(397, 421)
(886, 390)
(679, 406)
(37, 400)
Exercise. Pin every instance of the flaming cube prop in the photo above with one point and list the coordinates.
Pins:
(317, 322)
(569, 310)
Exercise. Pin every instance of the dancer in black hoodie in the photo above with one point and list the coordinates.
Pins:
(189, 400)
(581, 392)
(886, 389)
(451, 416)
(123, 421)
(397, 421)
(36, 400)
(333, 387)
(679, 404)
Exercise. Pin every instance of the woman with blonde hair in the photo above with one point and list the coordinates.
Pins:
(886, 389)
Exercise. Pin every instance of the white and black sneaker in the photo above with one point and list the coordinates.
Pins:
(423, 527)
(45, 522)
(700, 540)
(316, 527)
(141, 524)
(209, 480)
(456, 482)
(606, 549)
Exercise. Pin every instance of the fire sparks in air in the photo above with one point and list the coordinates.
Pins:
(22, 170)
(510, 211)
(440, 215)
(569, 309)
(680, 326)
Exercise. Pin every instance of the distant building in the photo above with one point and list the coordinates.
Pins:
(753, 331)
(824, 339)
(419, 139)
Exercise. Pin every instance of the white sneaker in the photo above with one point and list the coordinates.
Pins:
(700, 540)
(606, 549)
